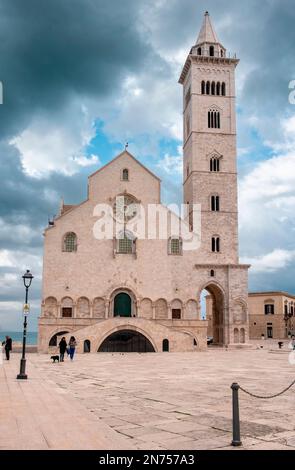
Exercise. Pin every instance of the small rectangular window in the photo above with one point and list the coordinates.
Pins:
(67, 312)
(176, 313)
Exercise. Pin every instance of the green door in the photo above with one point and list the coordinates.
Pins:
(122, 305)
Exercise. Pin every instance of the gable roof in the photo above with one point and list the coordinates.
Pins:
(125, 152)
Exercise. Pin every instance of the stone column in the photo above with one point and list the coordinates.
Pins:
(91, 308)
(154, 310)
(107, 306)
(169, 312)
(137, 312)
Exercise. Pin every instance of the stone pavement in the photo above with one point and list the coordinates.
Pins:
(148, 401)
(38, 414)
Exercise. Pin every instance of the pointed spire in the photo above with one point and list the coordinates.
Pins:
(207, 33)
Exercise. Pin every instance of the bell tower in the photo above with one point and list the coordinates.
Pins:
(209, 123)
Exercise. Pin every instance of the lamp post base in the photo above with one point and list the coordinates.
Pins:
(22, 374)
(236, 443)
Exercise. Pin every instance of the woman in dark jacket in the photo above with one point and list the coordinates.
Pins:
(62, 348)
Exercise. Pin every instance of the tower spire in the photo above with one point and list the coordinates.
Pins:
(207, 32)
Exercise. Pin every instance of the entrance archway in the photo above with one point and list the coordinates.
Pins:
(213, 299)
(122, 305)
(126, 341)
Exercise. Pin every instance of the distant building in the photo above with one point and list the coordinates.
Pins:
(271, 314)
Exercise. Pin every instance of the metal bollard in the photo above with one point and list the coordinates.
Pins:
(236, 416)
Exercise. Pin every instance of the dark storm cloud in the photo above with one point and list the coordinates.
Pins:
(51, 50)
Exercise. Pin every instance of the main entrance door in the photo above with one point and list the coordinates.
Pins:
(122, 305)
(126, 341)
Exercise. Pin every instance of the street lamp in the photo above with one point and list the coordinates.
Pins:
(27, 278)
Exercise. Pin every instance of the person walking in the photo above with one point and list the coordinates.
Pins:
(8, 347)
(62, 349)
(72, 346)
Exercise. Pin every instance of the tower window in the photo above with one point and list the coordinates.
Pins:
(213, 88)
(70, 242)
(215, 244)
(218, 89)
(175, 246)
(215, 164)
(208, 88)
(199, 51)
(203, 88)
(125, 175)
(211, 51)
(215, 203)
(213, 119)
(223, 89)
(212, 273)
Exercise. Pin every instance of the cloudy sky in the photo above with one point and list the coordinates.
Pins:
(82, 77)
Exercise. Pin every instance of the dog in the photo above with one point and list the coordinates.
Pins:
(55, 358)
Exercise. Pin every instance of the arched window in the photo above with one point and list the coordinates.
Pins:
(70, 242)
(175, 246)
(126, 243)
(165, 346)
(212, 273)
(215, 164)
(221, 53)
(213, 119)
(215, 244)
(213, 88)
(211, 51)
(87, 346)
(203, 88)
(215, 203)
(218, 89)
(208, 88)
(223, 89)
(199, 51)
(125, 174)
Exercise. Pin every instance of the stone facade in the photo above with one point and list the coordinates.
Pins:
(86, 278)
(271, 314)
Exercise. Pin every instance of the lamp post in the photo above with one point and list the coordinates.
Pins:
(27, 278)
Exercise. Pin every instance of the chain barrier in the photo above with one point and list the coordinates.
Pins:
(235, 408)
(267, 396)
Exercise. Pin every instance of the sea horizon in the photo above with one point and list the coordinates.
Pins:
(17, 336)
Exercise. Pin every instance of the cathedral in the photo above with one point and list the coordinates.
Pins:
(121, 292)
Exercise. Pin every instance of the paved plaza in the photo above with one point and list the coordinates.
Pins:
(147, 401)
